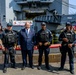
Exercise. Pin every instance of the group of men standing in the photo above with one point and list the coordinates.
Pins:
(42, 39)
(28, 39)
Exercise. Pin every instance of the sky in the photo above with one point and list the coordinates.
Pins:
(72, 10)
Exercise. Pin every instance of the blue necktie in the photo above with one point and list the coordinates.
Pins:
(27, 31)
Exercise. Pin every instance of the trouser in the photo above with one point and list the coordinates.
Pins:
(11, 53)
(46, 54)
(71, 57)
(24, 57)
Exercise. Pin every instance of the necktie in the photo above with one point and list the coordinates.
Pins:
(27, 31)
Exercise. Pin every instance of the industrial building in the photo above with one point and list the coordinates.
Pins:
(11, 10)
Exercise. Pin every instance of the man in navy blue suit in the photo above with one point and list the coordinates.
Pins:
(27, 40)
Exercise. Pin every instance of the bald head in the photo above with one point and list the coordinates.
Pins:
(27, 25)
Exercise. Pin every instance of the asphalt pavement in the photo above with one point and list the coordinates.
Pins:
(28, 71)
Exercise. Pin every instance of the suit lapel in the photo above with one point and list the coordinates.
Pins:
(25, 34)
(30, 32)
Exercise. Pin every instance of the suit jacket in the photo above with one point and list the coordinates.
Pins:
(26, 42)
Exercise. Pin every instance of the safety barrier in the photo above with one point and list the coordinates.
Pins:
(35, 48)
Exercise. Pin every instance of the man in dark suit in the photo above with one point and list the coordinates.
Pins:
(27, 41)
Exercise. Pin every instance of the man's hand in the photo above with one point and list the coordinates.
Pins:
(35, 47)
(40, 43)
(47, 43)
(14, 48)
(70, 45)
(65, 39)
(3, 48)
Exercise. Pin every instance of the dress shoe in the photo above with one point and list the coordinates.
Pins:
(48, 68)
(39, 67)
(60, 69)
(14, 67)
(32, 67)
(23, 67)
(72, 71)
(4, 70)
